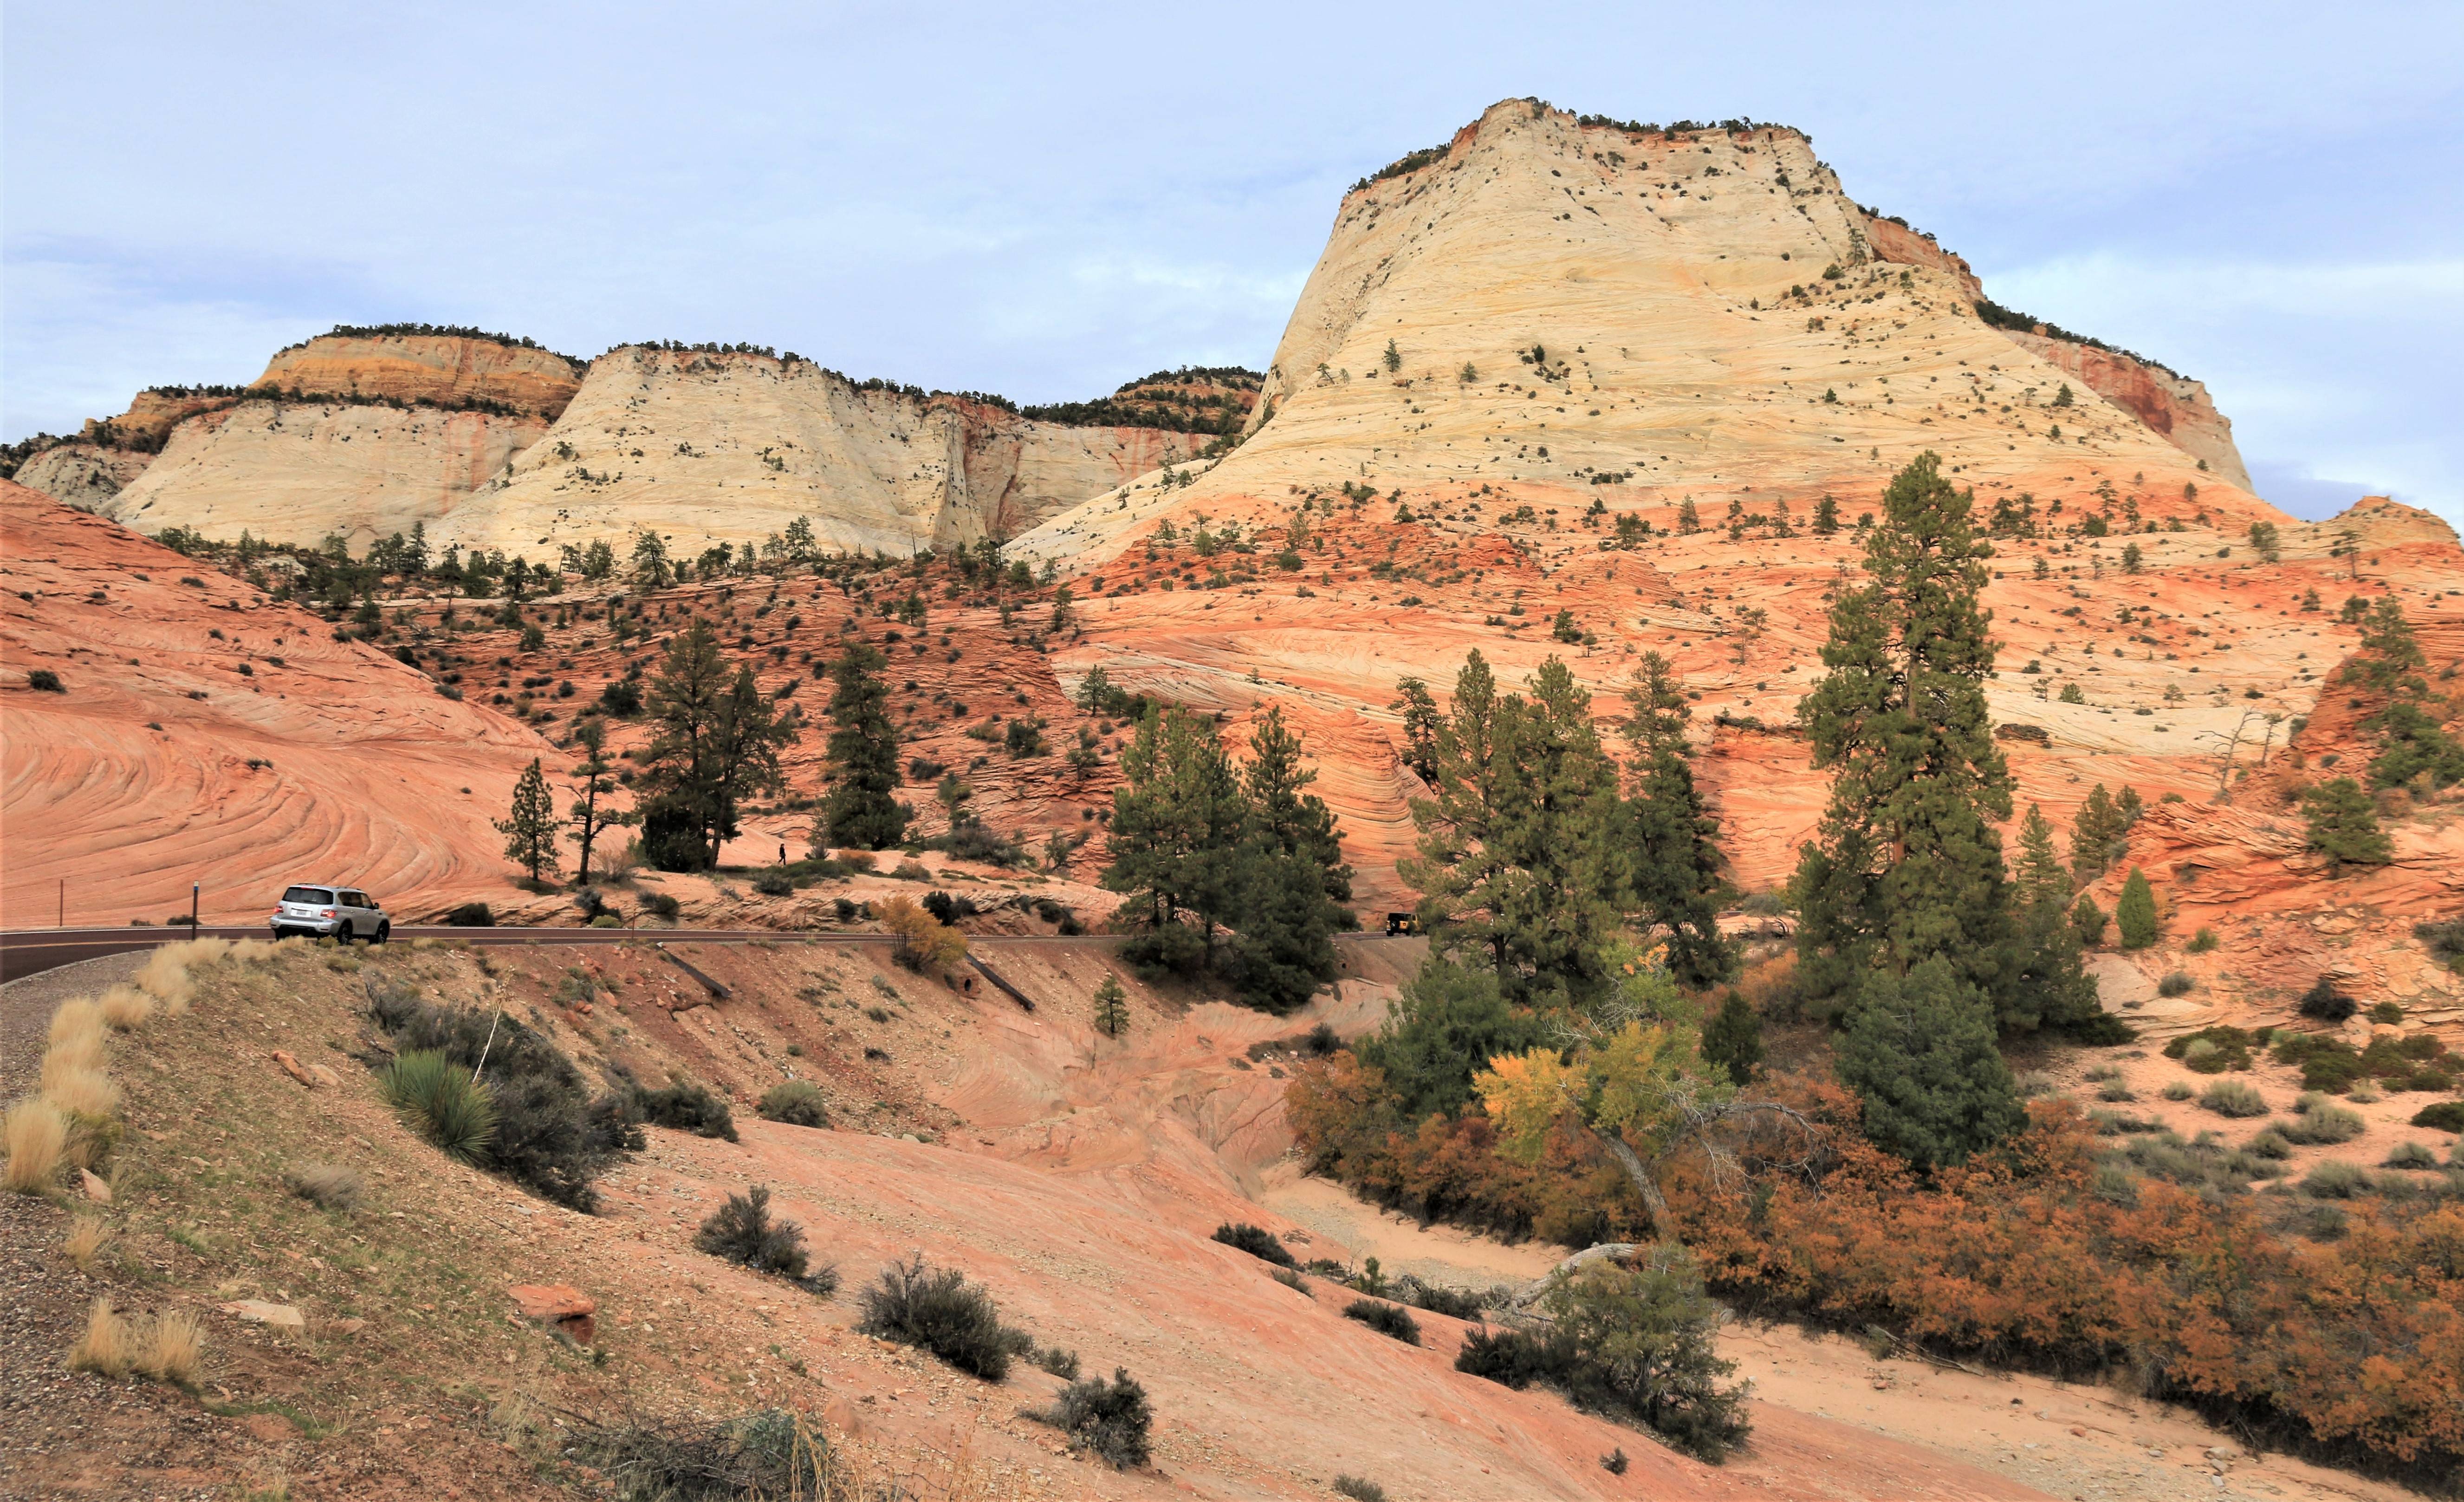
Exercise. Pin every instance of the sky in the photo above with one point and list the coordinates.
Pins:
(1046, 202)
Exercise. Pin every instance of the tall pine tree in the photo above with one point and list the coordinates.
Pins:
(1671, 843)
(1905, 906)
(717, 742)
(861, 811)
(530, 827)
(590, 814)
(1907, 866)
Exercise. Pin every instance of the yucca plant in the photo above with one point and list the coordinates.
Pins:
(438, 1099)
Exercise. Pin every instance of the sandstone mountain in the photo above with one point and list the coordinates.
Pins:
(358, 432)
(1549, 309)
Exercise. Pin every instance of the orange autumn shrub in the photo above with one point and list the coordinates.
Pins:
(2351, 1350)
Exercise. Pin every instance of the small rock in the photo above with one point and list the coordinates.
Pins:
(325, 1077)
(257, 1311)
(95, 1188)
(558, 1304)
(346, 1327)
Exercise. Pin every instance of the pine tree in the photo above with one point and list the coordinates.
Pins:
(2389, 653)
(2094, 833)
(1515, 858)
(529, 830)
(2344, 826)
(1826, 516)
(2052, 987)
(588, 815)
(2088, 921)
(1672, 838)
(1175, 820)
(861, 811)
(1688, 520)
(1288, 878)
(2134, 915)
(1908, 867)
(1918, 1051)
(717, 742)
(1421, 722)
(1733, 1038)
(1112, 1006)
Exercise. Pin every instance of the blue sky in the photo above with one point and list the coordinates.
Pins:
(1046, 204)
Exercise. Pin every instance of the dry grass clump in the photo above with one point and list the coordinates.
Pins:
(76, 1017)
(170, 1349)
(78, 1052)
(125, 1008)
(85, 1240)
(87, 1092)
(329, 1186)
(103, 1348)
(36, 1133)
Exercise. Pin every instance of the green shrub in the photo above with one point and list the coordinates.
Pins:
(796, 1102)
(2316, 1123)
(742, 1231)
(550, 1134)
(2227, 1049)
(470, 914)
(1292, 1280)
(660, 904)
(1257, 1240)
(1387, 1319)
(2178, 1089)
(2203, 941)
(686, 1106)
(2334, 1181)
(2412, 1155)
(437, 1098)
(1108, 1419)
(939, 1310)
(1359, 1488)
(45, 680)
(2325, 1003)
(1061, 1364)
(2135, 913)
(2230, 1097)
(2447, 1116)
(773, 882)
(2177, 983)
(2270, 1145)
(1631, 1342)
(2328, 1064)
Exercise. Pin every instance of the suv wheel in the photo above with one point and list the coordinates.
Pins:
(385, 931)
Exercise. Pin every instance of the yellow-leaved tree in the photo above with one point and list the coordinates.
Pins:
(1628, 1070)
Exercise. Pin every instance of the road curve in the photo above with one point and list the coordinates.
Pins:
(31, 951)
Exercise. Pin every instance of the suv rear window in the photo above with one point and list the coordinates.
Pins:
(315, 895)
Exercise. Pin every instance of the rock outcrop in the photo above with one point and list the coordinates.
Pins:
(296, 472)
(438, 370)
(281, 470)
(731, 446)
(205, 735)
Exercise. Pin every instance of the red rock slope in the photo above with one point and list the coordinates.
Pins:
(205, 735)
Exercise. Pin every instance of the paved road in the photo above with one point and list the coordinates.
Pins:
(31, 951)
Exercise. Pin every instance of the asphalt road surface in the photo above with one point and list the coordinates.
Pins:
(30, 951)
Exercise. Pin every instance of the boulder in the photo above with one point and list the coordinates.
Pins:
(559, 1304)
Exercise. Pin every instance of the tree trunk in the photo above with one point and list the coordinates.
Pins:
(1664, 1226)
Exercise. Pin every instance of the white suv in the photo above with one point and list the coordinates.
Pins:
(344, 913)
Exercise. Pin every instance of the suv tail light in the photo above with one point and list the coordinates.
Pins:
(326, 913)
